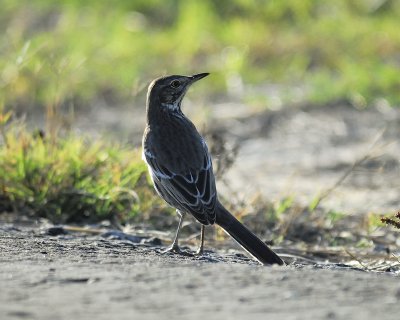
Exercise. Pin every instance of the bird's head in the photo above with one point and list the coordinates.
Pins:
(167, 92)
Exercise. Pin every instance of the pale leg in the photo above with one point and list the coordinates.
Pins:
(175, 247)
(201, 247)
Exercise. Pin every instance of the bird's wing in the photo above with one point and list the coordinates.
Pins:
(193, 192)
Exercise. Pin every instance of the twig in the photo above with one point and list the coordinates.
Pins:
(396, 257)
(392, 221)
(356, 259)
(357, 163)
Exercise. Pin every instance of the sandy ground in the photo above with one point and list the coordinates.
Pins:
(299, 152)
(79, 277)
(304, 152)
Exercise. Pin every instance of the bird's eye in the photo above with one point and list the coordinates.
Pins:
(175, 84)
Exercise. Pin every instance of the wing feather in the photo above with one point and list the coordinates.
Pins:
(192, 192)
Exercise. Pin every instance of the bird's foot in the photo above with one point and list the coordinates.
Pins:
(176, 249)
(199, 252)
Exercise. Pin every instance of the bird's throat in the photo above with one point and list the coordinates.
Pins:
(172, 107)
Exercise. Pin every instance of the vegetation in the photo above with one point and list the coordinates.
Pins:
(71, 51)
(69, 178)
(68, 53)
(393, 221)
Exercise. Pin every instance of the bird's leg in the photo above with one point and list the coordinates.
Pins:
(199, 251)
(175, 247)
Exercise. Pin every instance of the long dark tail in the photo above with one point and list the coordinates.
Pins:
(247, 239)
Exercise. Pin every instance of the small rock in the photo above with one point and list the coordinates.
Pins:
(56, 231)
(153, 241)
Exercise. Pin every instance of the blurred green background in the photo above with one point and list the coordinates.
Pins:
(70, 52)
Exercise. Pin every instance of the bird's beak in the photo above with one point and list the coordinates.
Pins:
(199, 76)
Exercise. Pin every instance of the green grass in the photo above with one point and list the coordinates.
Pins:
(70, 52)
(58, 55)
(71, 179)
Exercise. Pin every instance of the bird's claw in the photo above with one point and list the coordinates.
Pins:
(173, 249)
(176, 249)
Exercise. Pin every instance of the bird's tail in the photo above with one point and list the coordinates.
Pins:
(247, 239)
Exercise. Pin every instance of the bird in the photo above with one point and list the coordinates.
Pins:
(181, 169)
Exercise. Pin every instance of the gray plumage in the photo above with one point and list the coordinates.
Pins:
(181, 168)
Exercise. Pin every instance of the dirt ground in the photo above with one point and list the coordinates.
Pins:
(304, 152)
(89, 277)
(299, 152)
